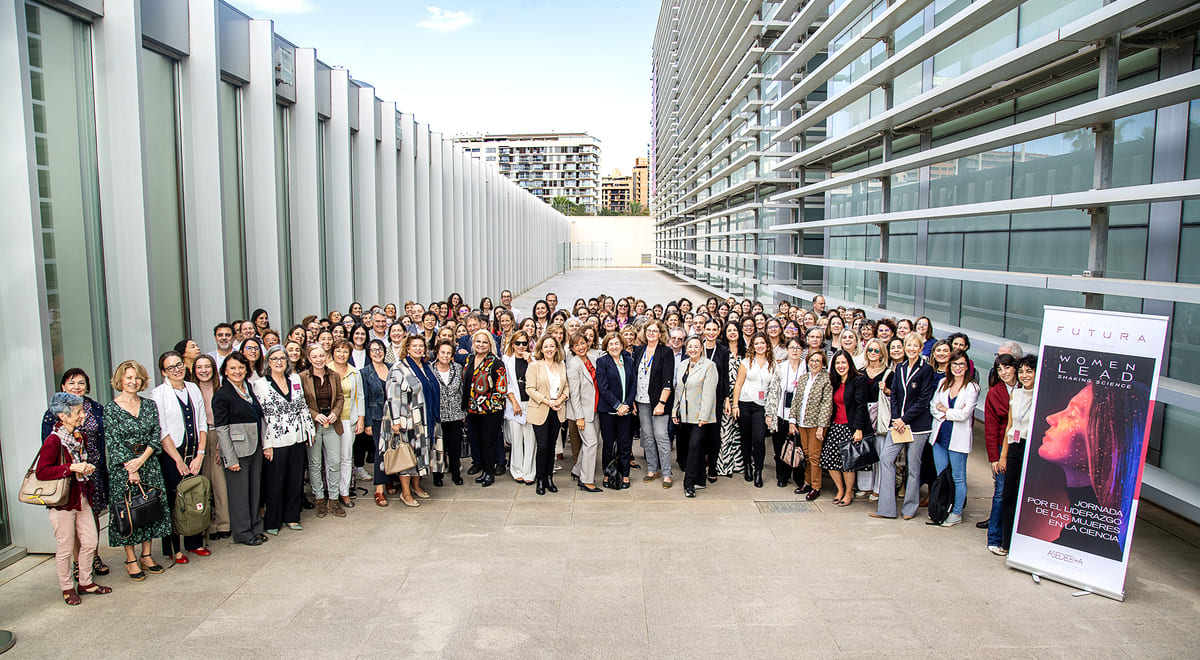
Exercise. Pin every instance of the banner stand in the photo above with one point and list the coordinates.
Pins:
(1081, 478)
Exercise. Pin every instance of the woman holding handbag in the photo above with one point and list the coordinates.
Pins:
(779, 405)
(76, 381)
(848, 423)
(64, 454)
(132, 437)
(877, 371)
(410, 416)
(811, 408)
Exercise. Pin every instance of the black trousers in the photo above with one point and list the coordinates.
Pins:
(752, 422)
(485, 429)
(1012, 484)
(546, 436)
(171, 479)
(616, 431)
(783, 471)
(243, 490)
(712, 445)
(285, 485)
(364, 449)
(696, 437)
(452, 437)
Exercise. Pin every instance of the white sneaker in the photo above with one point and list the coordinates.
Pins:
(874, 497)
(952, 520)
(361, 473)
(997, 550)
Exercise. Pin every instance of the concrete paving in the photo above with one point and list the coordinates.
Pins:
(640, 573)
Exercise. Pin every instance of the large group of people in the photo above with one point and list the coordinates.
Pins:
(400, 397)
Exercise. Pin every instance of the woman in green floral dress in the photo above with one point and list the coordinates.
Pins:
(132, 434)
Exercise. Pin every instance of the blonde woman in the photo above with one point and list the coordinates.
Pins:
(517, 429)
(547, 390)
(353, 414)
(848, 341)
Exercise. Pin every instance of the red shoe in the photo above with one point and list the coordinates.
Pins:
(181, 559)
(201, 552)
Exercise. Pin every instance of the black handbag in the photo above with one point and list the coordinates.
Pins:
(859, 455)
(139, 508)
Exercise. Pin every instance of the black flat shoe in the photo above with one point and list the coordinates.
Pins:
(481, 477)
(307, 504)
(812, 495)
(253, 541)
(689, 492)
(781, 484)
(982, 524)
(474, 469)
(458, 481)
(437, 481)
(624, 485)
(712, 478)
(488, 480)
(800, 490)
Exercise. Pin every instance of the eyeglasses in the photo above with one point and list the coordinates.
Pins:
(173, 367)
(277, 358)
(959, 365)
(377, 350)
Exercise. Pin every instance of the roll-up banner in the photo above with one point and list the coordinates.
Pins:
(1094, 397)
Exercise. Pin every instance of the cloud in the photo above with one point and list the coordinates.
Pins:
(278, 6)
(444, 20)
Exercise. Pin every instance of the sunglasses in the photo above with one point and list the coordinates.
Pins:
(874, 350)
(520, 343)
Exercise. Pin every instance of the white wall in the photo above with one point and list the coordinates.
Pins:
(610, 241)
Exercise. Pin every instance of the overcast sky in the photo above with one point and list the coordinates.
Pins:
(498, 66)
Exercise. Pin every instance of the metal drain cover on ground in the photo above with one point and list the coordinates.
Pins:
(787, 507)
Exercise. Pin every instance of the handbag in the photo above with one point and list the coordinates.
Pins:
(883, 417)
(138, 509)
(399, 458)
(791, 452)
(859, 455)
(44, 492)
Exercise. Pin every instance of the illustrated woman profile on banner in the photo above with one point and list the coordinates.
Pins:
(1085, 466)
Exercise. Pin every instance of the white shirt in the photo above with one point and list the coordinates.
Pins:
(756, 377)
(787, 382)
(170, 412)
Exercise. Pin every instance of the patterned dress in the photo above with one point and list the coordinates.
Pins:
(126, 437)
(729, 459)
(406, 405)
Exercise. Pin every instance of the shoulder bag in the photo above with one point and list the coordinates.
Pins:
(399, 458)
(791, 452)
(48, 492)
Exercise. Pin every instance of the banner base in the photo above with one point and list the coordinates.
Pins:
(1041, 572)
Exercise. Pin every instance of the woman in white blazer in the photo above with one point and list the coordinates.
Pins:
(695, 411)
(953, 410)
(183, 423)
(582, 403)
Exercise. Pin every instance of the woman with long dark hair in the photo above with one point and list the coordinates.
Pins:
(849, 422)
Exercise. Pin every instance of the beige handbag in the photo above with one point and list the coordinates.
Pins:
(399, 458)
(791, 452)
(52, 492)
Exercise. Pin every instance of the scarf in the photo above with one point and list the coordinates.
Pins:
(431, 390)
(73, 442)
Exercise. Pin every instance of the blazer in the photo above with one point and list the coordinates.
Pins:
(820, 401)
(235, 423)
(608, 381)
(310, 397)
(537, 388)
(582, 402)
(995, 419)
(516, 376)
(961, 415)
(856, 394)
(697, 398)
(721, 359)
(170, 413)
(911, 402)
(662, 374)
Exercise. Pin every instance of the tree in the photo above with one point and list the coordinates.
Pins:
(635, 208)
(567, 207)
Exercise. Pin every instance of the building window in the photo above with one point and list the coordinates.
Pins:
(232, 210)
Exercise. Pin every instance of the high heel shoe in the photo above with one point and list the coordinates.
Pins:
(153, 568)
(136, 577)
(590, 489)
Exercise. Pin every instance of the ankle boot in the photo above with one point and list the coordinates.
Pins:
(758, 483)
(550, 485)
(749, 471)
(541, 486)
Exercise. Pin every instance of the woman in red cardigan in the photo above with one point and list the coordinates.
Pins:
(64, 454)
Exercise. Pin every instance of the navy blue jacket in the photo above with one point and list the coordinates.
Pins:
(912, 403)
(608, 382)
(464, 349)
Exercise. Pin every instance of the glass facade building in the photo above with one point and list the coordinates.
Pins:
(967, 161)
(171, 165)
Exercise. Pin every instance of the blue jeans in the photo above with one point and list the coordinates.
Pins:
(995, 532)
(957, 460)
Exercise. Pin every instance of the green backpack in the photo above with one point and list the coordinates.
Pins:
(193, 506)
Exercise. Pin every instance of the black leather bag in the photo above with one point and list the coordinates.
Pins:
(140, 508)
(859, 455)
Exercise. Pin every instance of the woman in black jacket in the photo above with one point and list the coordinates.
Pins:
(849, 422)
(616, 382)
(912, 388)
(236, 418)
(655, 366)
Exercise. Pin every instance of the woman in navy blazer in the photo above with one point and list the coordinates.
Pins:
(616, 380)
(912, 391)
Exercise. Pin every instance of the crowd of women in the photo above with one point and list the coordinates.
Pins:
(282, 422)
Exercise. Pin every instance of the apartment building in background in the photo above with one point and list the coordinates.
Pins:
(970, 162)
(641, 182)
(616, 191)
(548, 165)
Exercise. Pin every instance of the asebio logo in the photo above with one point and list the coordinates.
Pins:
(1064, 557)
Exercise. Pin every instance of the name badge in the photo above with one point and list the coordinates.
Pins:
(762, 396)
